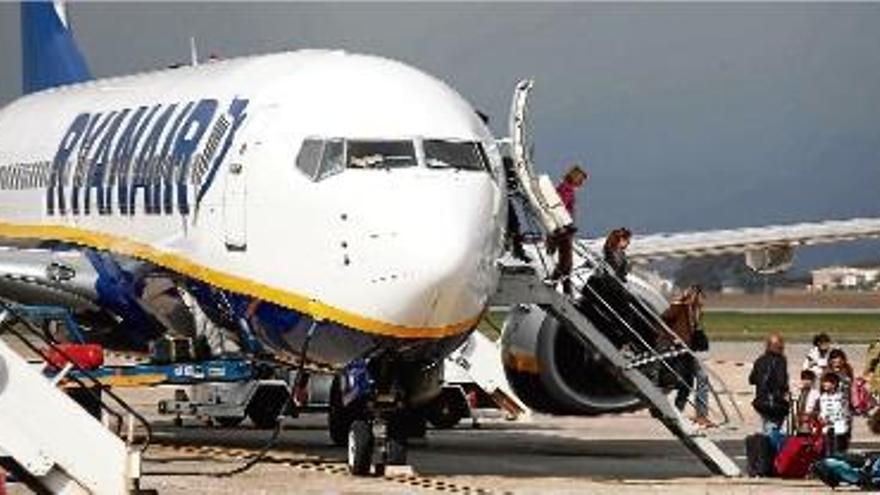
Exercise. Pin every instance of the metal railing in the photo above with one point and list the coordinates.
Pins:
(594, 265)
(10, 317)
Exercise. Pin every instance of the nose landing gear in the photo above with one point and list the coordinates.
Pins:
(375, 444)
(373, 426)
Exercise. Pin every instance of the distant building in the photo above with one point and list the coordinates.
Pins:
(845, 277)
(733, 289)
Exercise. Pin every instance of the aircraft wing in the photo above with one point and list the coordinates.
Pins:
(747, 240)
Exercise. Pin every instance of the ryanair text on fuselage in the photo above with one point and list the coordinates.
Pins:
(154, 149)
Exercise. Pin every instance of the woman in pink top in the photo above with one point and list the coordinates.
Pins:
(563, 241)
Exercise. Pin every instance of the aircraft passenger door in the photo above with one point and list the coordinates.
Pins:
(247, 148)
(235, 205)
(538, 188)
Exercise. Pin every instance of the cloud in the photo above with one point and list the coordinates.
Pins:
(690, 115)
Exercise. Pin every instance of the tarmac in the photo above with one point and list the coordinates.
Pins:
(615, 454)
(628, 453)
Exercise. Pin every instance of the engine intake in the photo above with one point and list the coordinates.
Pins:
(554, 372)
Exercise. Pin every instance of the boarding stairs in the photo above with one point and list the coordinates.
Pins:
(48, 440)
(617, 333)
(635, 370)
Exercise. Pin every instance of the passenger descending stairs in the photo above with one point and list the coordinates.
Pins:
(56, 446)
(520, 286)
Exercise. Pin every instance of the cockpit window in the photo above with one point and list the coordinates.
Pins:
(454, 154)
(309, 157)
(320, 158)
(380, 154)
(332, 161)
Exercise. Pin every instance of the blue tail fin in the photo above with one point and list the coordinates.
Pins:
(49, 54)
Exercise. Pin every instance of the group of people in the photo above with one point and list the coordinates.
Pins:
(683, 316)
(827, 396)
(821, 404)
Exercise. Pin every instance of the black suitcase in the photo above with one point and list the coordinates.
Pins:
(759, 455)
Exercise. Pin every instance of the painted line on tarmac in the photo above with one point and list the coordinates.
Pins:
(724, 361)
(318, 464)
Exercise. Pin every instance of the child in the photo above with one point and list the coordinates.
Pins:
(807, 401)
(834, 414)
(816, 359)
(838, 364)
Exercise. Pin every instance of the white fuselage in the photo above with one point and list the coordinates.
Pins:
(197, 170)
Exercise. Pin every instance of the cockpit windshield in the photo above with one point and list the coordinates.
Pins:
(380, 154)
(453, 154)
(320, 158)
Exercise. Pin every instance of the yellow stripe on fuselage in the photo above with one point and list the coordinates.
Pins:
(227, 281)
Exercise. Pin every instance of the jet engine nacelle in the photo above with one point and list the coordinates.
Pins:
(553, 372)
(770, 259)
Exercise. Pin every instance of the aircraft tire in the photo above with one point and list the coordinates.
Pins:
(267, 405)
(339, 417)
(443, 415)
(360, 448)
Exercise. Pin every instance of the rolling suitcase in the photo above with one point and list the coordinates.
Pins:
(798, 453)
(759, 453)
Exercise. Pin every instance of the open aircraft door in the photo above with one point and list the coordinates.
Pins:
(538, 189)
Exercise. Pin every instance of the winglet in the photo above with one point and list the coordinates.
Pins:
(49, 53)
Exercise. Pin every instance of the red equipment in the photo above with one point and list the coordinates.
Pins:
(86, 356)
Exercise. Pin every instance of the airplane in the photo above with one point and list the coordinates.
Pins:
(342, 209)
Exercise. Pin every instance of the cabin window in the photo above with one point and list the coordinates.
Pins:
(380, 154)
(454, 154)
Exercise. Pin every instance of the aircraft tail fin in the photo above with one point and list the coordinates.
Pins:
(49, 54)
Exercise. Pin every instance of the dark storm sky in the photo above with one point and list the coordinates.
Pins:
(689, 116)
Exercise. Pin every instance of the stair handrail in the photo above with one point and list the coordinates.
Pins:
(9, 315)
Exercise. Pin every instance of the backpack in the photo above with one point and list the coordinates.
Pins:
(861, 470)
(834, 471)
(860, 397)
(872, 358)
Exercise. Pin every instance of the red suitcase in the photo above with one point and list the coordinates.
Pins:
(798, 453)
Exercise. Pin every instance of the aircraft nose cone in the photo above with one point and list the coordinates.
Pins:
(422, 256)
(459, 243)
